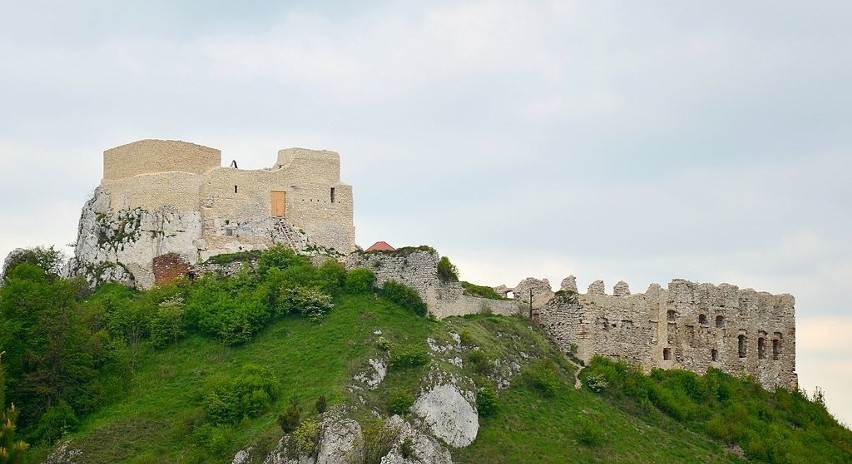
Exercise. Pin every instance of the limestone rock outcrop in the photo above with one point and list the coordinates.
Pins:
(448, 415)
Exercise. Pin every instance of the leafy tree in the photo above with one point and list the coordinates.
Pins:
(46, 344)
(50, 260)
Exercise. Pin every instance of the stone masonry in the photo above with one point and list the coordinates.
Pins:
(418, 269)
(688, 326)
(159, 197)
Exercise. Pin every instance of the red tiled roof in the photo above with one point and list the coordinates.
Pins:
(380, 246)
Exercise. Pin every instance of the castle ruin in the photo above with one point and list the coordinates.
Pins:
(164, 206)
(160, 198)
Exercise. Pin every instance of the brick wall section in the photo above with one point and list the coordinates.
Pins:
(169, 267)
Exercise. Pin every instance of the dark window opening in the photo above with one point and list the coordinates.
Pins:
(667, 354)
(720, 322)
(714, 354)
(332, 194)
(741, 347)
(235, 189)
(776, 348)
(671, 315)
(761, 348)
(702, 319)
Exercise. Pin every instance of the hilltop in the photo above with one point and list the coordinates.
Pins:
(213, 370)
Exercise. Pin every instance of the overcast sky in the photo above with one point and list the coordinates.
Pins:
(642, 141)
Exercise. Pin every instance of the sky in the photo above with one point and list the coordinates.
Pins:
(636, 141)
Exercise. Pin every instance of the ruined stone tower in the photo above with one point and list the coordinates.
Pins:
(160, 199)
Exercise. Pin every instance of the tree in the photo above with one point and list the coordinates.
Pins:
(447, 271)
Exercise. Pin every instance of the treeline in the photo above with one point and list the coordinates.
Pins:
(70, 349)
(780, 426)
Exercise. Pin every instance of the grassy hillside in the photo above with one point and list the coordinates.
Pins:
(197, 371)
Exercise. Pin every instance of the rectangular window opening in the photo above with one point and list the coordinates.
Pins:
(332, 194)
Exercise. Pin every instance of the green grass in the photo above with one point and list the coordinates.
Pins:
(161, 417)
(540, 418)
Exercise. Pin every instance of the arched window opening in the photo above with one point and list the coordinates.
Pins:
(741, 346)
(720, 322)
(714, 354)
(667, 354)
(776, 347)
(671, 315)
(761, 348)
(702, 319)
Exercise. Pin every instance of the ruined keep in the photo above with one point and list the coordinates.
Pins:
(162, 199)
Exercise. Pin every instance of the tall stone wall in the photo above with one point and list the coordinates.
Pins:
(687, 325)
(150, 156)
(227, 209)
(418, 269)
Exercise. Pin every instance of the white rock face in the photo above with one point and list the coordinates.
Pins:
(424, 449)
(448, 415)
(121, 245)
(339, 442)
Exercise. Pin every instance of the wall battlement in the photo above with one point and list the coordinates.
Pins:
(691, 326)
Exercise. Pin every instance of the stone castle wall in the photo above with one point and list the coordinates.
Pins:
(687, 326)
(150, 156)
(222, 209)
(418, 269)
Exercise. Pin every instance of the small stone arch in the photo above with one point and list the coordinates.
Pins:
(720, 321)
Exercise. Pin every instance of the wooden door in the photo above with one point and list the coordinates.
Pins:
(279, 201)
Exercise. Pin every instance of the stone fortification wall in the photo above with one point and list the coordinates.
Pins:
(149, 156)
(152, 191)
(418, 269)
(687, 325)
(312, 166)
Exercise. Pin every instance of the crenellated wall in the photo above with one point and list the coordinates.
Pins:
(688, 325)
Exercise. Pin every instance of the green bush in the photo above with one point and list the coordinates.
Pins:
(305, 438)
(479, 362)
(222, 309)
(399, 402)
(409, 356)
(359, 281)
(486, 401)
(321, 406)
(55, 423)
(289, 419)
(309, 302)
(447, 271)
(378, 440)
(249, 394)
(404, 296)
(481, 291)
(541, 376)
(166, 324)
(228, 258)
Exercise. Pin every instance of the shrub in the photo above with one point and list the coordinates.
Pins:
(399, 402)
(167, 325)
(466, 338)
(486, 401)
(378, 440)
(247, 395)
(406, 448)
(404, 296)
(321, 406)
(305, 438)
(279, 257)
(56, 422)
(481, 291)
(228, 258)
(359, 281)
(479, 362)
(409, 356)
(541, 376)
(383, 344)
(310, 302)
(447, 271)
(289, 419)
